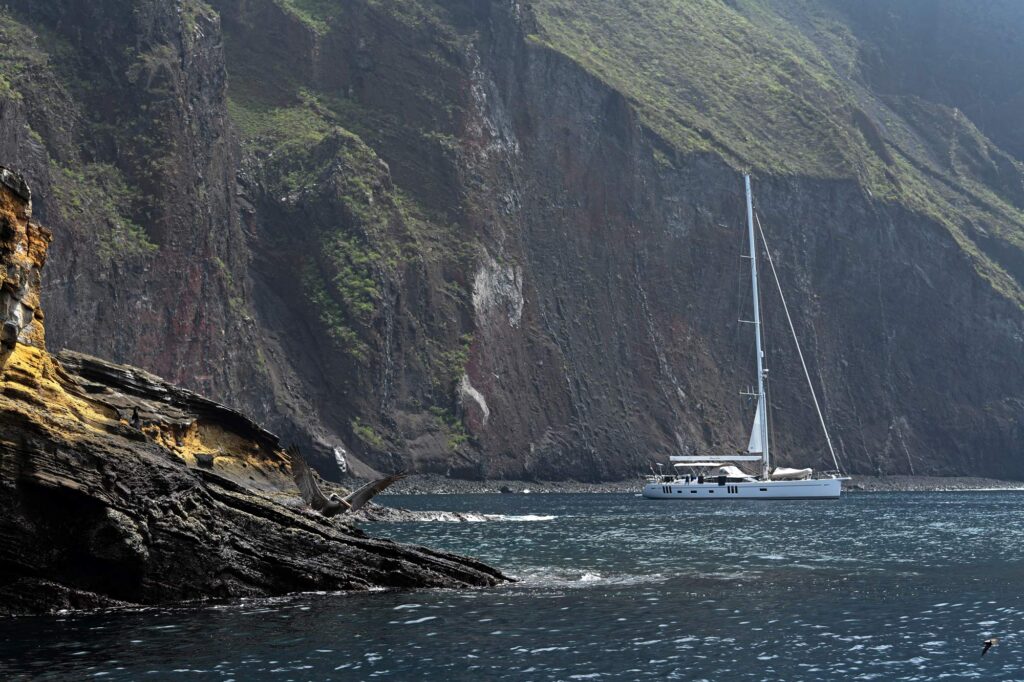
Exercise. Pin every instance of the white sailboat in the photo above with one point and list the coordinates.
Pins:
(713, 477)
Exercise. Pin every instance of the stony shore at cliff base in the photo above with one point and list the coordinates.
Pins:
(430, 484)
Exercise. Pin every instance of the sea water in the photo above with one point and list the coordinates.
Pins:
(874, 586)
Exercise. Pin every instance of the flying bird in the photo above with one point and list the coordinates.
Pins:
(333, 505)
(989, 643)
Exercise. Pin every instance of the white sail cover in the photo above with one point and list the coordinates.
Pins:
(755, 433)
(784, 474)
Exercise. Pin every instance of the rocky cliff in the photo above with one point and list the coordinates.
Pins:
(117, 487)
(485, 238)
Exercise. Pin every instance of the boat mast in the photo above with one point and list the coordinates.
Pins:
(761, 400)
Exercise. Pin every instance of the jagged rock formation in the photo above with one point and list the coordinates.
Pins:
(485, 238)
(24, 244)
(117, 487)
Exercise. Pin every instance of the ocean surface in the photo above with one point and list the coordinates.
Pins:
(875, 586)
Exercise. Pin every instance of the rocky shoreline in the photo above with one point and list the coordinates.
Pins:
(929, 484)
(427, 484)
(432, 484)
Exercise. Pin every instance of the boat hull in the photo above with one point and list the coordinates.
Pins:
(810, 489)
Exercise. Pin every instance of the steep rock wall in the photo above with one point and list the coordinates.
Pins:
(116, 116)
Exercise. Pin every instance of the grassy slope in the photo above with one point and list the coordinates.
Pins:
(774, 93)
(708, 77)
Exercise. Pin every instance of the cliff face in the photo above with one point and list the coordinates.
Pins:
(487, 239)
(115, 113)
(119, 488)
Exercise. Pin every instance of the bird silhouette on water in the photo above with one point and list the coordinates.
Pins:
(988, 644)
(333, 505)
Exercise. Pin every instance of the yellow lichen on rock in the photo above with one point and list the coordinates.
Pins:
(203, 443)
(29, 375)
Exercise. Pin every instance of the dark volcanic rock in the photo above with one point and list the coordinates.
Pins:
(126, 144)
(100, 500)
(105, 518)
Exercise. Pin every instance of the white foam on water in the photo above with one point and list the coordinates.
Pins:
(525, 517)
(567, 578)
(475, 517)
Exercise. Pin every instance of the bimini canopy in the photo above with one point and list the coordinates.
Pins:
(784, 474)
(709, 465)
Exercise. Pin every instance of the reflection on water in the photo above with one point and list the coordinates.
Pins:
(875, 586)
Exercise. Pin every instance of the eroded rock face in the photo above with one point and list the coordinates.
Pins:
(117, 487)
(23, 245)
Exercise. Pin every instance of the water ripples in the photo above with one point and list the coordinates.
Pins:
(873, 587)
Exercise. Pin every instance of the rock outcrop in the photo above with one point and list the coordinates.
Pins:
(24, 245)
(117, 487)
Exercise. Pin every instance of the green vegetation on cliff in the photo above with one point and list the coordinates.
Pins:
(359, 231)
(88, 193)
(317, 14)
(775, 86)
(19, 55)
(712, 76)
(309, 158)
(99, 192)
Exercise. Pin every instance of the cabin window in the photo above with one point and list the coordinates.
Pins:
(764, 490)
